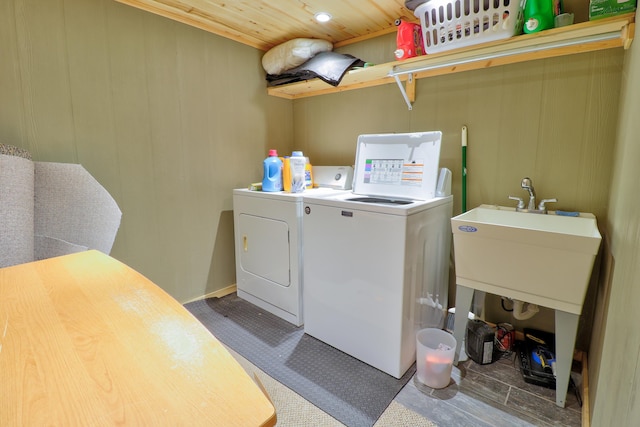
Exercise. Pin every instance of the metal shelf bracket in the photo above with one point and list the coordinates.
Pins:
(414, 70)
(409, 94)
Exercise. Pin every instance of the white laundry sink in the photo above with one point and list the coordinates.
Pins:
(540, 259)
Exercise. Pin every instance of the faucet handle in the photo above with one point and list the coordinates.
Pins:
(542, 207)
(519, 200)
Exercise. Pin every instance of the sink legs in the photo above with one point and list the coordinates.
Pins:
(464, 296)
(566, 328)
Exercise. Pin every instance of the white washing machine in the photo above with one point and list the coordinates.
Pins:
(268, 243)
(377, 258)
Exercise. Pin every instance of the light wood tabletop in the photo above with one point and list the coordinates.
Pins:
(87, 341)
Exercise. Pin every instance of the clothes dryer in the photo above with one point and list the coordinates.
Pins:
(377, 258)
(268, 244)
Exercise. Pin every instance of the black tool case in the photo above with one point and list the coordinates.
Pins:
(535, 343)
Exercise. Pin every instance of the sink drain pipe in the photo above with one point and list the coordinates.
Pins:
(520, 313)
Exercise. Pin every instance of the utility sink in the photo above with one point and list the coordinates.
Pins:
(543, 259)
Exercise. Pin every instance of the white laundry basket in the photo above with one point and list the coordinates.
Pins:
(451, 24)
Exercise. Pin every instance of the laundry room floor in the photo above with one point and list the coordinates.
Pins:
(479, 395)
(491, 395)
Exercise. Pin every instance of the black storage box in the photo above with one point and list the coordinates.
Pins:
(537, 353)
(480, 342)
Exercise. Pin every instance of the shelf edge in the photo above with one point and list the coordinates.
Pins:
(380, 74)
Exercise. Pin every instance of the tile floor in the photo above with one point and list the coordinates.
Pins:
(491, 395)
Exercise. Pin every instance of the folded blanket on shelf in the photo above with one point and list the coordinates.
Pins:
(330, 67)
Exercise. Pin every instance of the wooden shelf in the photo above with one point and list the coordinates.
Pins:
(550, 43)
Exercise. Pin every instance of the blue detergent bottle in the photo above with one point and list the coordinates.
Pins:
(272, 178)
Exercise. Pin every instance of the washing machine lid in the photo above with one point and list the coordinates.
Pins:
(398, 165)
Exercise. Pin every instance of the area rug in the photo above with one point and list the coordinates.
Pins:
(351, 391)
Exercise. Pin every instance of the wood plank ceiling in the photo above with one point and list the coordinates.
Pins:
(264, 24)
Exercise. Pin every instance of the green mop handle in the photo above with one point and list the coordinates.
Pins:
(464, 169)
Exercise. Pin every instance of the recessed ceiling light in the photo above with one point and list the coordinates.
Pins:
(322, 17)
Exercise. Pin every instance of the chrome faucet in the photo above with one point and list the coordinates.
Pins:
(527, 184)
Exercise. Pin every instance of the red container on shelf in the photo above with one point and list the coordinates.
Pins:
(409, 42)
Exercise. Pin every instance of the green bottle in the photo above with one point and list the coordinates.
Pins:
(538, 15)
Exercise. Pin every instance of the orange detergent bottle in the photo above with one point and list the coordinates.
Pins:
(286, 174)
(308, 174)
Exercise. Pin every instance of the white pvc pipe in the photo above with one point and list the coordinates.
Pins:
(521, 314)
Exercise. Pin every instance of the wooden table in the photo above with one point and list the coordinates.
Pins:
(87, 341)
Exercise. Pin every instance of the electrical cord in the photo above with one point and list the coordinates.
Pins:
(505, 339)
(503, 307)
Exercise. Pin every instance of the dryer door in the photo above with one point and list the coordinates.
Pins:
(264, 248)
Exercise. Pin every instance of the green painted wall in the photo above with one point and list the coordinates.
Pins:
(615, 372)
(167, 117)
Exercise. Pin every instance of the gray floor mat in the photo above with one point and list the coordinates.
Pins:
(351, 391)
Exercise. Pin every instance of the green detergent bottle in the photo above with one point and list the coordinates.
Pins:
(538, 15)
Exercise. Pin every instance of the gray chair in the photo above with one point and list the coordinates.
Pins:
(50, 209)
